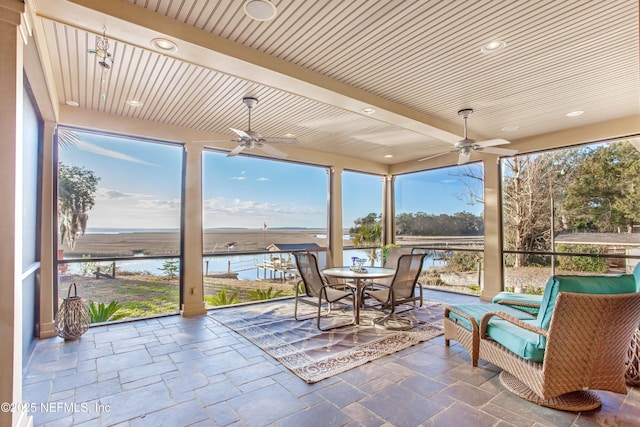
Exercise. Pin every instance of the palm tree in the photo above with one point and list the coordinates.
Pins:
(367, 232)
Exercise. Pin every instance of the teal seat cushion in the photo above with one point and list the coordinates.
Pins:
(477, 311)
(520, 341)
(519, 297)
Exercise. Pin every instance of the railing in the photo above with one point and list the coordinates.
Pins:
(438, 271)
(140, 286)
(149, 285)
(229, 278)
(532, 277)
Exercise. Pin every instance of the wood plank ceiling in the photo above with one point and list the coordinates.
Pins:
(415, 58)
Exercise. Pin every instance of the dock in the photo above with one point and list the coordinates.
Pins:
(276, 269)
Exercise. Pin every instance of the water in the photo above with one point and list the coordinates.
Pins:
(244, 265)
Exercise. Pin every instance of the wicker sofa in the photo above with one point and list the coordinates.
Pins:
(578, 341)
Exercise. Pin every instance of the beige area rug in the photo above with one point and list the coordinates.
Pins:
(314, 355)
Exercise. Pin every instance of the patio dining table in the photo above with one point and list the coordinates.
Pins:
(359, 277)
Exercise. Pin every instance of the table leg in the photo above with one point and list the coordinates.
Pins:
(356, 303)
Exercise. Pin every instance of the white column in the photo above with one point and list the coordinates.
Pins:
(11, 107)
(493, 265)
(336, 242)
(388, 210)
(48, 230)
(193, 287)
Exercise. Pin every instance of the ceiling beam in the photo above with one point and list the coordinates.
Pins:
(138, 26)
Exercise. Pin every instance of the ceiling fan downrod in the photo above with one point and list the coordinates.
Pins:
(250, 102)
(465, 114)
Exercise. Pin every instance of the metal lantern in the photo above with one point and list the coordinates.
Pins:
(73, 316)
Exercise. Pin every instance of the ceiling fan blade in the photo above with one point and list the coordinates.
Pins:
(499, 151)
(236, 150)
(433, 156)
(241, 134)
(278, 140)
(273, 151)
(492, 142)
(463, 158)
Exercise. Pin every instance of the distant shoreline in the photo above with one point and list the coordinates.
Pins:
(167, 243)
(142, 243)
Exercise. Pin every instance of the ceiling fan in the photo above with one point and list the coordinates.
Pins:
(466, 145)
(250, 139)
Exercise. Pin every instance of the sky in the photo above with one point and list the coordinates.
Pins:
(140, 187)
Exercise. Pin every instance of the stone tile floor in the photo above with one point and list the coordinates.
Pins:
(174, 371)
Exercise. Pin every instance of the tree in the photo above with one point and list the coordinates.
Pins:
(367, 232)
(422, 224)
(76, 196)
(170, 268)
(472, 177)
(605, 194)
(629, 204)
(529, 184)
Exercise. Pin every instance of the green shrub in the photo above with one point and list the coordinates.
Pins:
(582, 263)
(261, 294)
(88, 268)
(534, 290)
(101, 312)
(221, 298)
(431, 277)
(463, 261)
(170, 268)
(384, 251)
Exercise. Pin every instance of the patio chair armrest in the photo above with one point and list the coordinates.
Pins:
(509, 318)
(381, 285)
(336, 287)
(472, 321)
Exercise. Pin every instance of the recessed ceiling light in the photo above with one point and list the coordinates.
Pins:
(510, 128)
(575, 113)
(290, 135)
(388, 156)
(72, 103)
(260, 10)
(493, 46)
(134, 103)
(368, 110)
(164, 45)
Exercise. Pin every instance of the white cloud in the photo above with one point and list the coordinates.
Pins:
(115, 208)
(262, 179)
(114, 194)
(219, 212)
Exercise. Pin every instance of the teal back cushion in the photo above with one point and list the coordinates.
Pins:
(636, 274)
(621, 284)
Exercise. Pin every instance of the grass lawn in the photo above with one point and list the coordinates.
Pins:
(141, 295)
